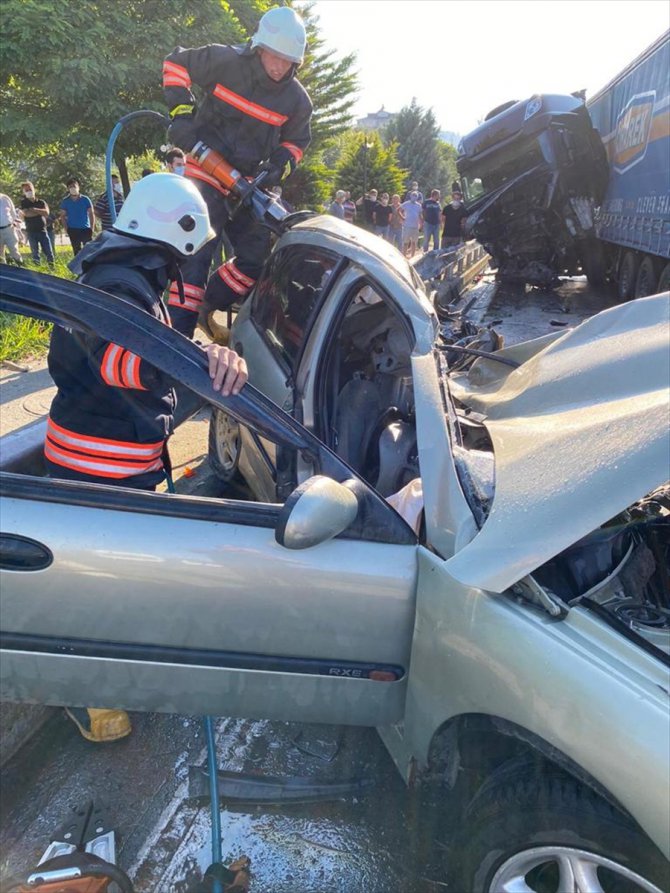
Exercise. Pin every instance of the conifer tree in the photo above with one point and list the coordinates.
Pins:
(368, 164)
(420, 152)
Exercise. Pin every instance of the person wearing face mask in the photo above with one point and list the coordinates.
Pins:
(256, 114)
(175, 162)
(77, 216)
(101, 206)
(454, 216)
(35, 214)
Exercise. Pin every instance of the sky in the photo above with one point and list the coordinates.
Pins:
(464, 57)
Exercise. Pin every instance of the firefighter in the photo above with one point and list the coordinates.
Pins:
(256, 114)
(113, 412)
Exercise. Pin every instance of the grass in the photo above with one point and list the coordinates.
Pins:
(23, 338)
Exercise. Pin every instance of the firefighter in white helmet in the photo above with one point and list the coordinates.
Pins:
(113, 411)
(256, 114)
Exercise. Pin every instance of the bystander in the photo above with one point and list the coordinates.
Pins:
(412, 226)
(430, 212)
(77, 216)
(101, 206)
(35, 213)
(454, 216)
(8, 239)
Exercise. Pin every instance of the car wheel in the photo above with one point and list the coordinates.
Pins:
(664, 280)
(549, 834)
(224, 446)
(627, 276)
(645, 284)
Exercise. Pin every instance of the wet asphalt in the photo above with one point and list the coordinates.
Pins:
(379, 842)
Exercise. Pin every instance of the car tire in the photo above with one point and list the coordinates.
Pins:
(627, 277)
(647, 278)
(525, 832)
(664, 280)
(224, 447)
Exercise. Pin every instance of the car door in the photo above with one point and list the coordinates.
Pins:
(148, 601)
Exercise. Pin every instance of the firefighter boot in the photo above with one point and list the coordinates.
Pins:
(214, 330)
(99, 724)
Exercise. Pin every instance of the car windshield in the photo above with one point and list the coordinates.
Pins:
(484, 176)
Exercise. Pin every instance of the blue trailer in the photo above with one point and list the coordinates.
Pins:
(632, 115)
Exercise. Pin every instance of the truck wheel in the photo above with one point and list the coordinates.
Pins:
(664, 280)
(224, 446)
(646, 281)
(551, 835)
(627, 275)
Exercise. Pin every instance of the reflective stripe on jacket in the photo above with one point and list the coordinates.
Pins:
(113, 411)
(244, 115)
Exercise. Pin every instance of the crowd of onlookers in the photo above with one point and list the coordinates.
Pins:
(31, 222)
(403, 222)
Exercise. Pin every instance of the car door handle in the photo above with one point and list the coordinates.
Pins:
(19, 553)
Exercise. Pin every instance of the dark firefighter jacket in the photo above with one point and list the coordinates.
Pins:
(244, 114)
(113, 411)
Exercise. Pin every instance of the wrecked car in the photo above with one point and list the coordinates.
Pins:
(533, 174)
(510, 641)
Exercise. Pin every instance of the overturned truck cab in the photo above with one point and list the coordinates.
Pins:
(532, 174)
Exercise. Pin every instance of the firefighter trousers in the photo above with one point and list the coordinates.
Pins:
(234, 279)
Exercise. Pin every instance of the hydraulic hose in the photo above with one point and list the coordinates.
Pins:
(109, 154)
(214, 797)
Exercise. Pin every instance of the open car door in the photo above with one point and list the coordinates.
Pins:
(151, 601)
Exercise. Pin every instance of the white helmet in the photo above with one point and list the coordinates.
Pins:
(282, 32)
(166, 208)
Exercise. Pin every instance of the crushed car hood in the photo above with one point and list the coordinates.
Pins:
(579, 432)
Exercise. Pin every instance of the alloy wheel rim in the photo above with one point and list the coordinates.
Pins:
(578, 872)
(228, 440)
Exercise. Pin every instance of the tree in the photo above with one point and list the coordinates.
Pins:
(332, 85)
(96, 64)
(368, 164)
(416, 132)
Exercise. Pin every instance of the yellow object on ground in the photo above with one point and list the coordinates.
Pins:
(100, 725)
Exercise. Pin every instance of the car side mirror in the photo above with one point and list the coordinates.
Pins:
(315, 512)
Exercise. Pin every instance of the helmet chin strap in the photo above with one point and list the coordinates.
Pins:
(174, 272)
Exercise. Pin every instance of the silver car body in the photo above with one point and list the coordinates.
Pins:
(207, 577)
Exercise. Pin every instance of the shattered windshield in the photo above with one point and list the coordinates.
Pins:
(484, 176)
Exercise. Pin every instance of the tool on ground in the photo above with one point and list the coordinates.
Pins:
(79, 859)
(220, 878)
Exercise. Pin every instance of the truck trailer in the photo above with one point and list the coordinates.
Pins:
(632, 116)
(558, 186)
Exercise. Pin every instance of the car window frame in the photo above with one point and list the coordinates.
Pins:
(279, 354)
(38, 295)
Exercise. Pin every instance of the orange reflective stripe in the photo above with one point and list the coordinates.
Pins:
(193, 296)
(108, 468)
(295, 151)
(116, 365)
(238, 274)
(193, 291)
(171, 80)
(102, 446)
(109, 368)
(189, 304)
(249, 108)
(231, 282)
(131, 371)
(176, 71)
